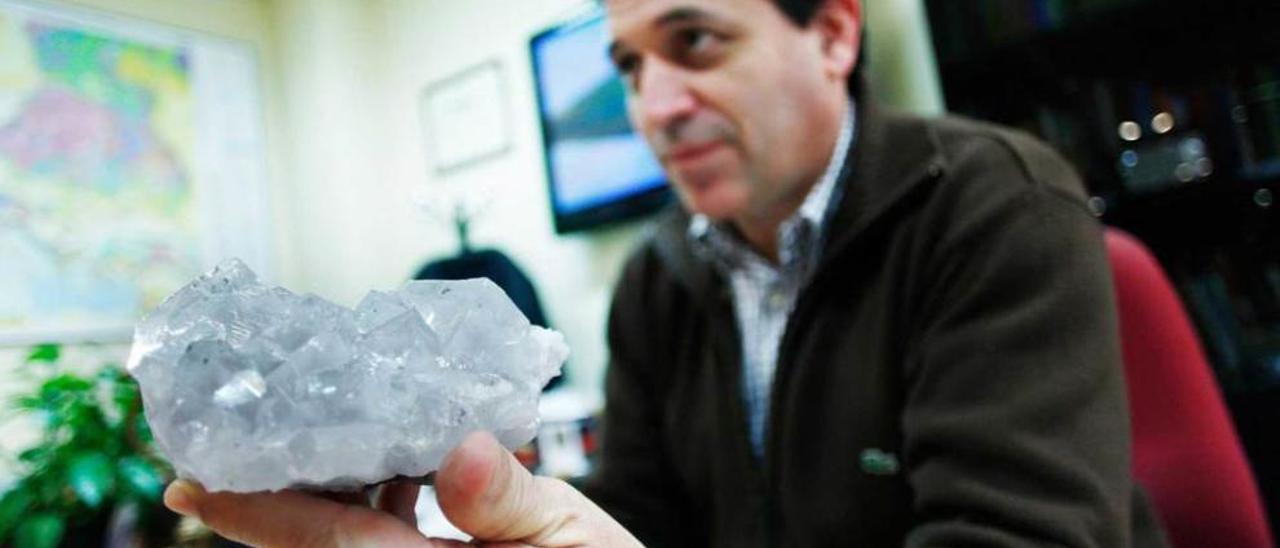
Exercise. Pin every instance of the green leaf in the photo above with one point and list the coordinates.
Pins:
(142, 477)
(40, 531)
(45, 353)
(127, 397)
(35, 454)
(92, 478)
(64, 385)
(86, 420)
(12, 507)
(110, 372)
(143, 429)
(51, 491)
(28, 403)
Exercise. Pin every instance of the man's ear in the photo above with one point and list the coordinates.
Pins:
(839, 25)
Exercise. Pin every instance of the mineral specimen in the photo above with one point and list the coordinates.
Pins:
(254, 388)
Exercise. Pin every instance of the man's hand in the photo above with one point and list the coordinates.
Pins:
(481, 487)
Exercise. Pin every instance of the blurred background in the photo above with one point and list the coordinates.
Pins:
(338, 146)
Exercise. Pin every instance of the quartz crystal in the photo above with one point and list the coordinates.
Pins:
(254, 388)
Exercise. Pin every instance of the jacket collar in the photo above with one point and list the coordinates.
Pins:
(893, 155)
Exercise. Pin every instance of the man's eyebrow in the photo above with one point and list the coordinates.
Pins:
(681, 15)
(675, 16)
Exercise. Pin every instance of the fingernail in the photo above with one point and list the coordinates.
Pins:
(181, 497)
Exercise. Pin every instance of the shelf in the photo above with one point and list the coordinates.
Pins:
(1202, 216)
(1166, 41)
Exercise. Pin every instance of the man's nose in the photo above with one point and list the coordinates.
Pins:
(664, 95)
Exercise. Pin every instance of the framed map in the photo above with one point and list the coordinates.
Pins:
(131, 159)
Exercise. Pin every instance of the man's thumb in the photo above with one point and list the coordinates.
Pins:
(485, 492)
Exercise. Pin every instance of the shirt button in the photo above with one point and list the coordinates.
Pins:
(777, 299)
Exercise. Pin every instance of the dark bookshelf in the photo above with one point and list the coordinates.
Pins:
(1170, 110)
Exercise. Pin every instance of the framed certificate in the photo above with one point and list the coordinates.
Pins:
(465, 117)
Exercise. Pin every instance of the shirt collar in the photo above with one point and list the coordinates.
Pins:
(719, 241)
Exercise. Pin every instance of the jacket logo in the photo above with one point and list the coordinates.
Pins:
(878, 463)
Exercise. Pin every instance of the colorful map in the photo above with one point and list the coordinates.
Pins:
(97, 203)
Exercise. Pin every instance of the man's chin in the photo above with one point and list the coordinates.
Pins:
(715, 210)
(718, 199)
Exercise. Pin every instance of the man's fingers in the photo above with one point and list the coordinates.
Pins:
(481, 487)
(341, 497)
(258, 519)
(485, 492)
(400, 499)
(289, 518)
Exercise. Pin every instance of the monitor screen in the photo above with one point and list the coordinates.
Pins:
(598, 169)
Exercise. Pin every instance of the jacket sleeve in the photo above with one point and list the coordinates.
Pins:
(633, 480)
(1015, 424)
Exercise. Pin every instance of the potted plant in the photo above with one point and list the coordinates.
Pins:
(93, 471)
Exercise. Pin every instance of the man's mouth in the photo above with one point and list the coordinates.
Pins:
(685, 154)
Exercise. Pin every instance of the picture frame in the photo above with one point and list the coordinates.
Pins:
(465, 117)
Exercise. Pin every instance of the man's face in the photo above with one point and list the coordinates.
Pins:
(734, 98)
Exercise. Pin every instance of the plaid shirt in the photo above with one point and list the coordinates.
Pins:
(764, 293)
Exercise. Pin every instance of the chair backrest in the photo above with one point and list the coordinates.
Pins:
(1185, 450)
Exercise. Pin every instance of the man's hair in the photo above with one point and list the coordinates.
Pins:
(801, 13)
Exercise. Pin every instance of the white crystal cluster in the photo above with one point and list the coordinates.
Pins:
(255, 388)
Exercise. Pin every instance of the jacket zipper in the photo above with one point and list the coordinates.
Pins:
(783, 366)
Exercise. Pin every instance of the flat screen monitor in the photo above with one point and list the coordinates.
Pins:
(598, 169)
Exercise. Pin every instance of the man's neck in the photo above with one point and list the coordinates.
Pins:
(759, 229)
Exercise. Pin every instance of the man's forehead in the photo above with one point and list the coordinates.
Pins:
(628, 12)
(636, 4)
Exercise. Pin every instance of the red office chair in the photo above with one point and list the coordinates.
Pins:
(1185, 450)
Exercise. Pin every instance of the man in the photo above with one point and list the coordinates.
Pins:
(864, 328)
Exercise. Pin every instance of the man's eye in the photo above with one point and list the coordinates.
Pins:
(696, 46)
(693, 39)
(626, 64)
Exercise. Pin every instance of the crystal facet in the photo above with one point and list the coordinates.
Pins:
(254, 388)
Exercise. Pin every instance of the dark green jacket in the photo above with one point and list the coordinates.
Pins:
(950, 377)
